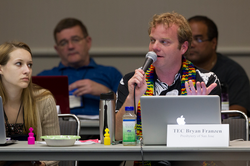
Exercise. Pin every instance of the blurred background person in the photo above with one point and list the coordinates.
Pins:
(87, 80)
(203, 54)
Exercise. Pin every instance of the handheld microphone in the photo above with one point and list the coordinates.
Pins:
(151, 57)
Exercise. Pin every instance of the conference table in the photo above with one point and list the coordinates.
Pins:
(21, 151)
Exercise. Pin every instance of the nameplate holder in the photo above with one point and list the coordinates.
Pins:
(211, 135)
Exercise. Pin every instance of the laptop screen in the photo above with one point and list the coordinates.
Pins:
(2, 124)
(58, 86)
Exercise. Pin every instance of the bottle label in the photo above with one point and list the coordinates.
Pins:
(225, 105)
(129, 130)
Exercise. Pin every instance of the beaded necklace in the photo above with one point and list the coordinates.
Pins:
(188, 73)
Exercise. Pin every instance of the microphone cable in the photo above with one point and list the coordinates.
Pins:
(141, 137)
(134, 101)
(141, 152)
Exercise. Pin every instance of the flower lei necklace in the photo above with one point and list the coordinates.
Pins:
(188, 73)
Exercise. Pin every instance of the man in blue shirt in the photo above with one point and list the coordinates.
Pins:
(87, 80)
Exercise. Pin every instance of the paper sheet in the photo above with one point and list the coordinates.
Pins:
(80, 142)
(88, 117)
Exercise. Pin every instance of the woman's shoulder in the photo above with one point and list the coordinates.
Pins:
(38, 92)
(44, 99)
(42, 94)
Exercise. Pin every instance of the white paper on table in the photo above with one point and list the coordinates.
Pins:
(89, 117)
(76, 143)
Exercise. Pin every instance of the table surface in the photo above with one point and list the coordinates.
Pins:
(22, 151)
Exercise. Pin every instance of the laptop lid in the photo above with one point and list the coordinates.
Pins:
(2, 124)
(58, 86)
(159, 111)
(3, 140)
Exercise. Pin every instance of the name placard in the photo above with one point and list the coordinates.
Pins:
(212, 135)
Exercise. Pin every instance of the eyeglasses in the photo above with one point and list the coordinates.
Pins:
(74, 40)
(199, 40)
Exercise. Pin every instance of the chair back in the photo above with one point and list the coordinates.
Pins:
(69, 125)
(238, 127)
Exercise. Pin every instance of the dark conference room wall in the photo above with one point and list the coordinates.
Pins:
(119, 28)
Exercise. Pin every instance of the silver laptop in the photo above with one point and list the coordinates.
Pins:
(3, 140)
(159, 111)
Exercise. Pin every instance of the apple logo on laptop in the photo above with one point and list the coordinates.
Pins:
(181, 120)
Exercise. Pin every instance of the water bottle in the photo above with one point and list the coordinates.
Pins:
(106, 116)
(224, 97)
(224, 100)
(129, 127)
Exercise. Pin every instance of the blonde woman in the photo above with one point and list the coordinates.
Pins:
(25, 104)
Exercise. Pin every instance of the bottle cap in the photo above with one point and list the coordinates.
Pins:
(224, 88)
(129, 108)
(107, 96)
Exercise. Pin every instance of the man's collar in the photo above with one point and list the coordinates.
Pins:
(91, 64)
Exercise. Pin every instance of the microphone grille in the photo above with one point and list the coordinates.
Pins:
(151, 55)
